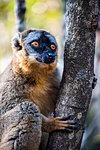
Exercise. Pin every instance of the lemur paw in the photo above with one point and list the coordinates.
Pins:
(63, 123)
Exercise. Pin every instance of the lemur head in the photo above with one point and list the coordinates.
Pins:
(35, 50)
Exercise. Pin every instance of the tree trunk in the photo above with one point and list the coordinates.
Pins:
(20, 9)
(99, 15)
(75, 93)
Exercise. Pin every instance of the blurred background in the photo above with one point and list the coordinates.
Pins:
(91, 138)
(48, 15)
(40, 14)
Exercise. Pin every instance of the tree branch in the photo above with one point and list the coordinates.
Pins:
(20, 9)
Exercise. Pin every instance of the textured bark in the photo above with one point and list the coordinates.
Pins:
(99, 15)
(20, 9)
(75, 92)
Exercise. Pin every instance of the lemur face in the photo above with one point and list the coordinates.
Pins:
(35, 50)
(39, 45)
(43, 45)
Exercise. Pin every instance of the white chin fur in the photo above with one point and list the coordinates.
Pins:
(32, 57)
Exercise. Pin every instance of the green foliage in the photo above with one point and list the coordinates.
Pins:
(43, 14)
(39, 14)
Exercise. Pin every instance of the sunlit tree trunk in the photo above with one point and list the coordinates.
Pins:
(75, 93)
(20, 9)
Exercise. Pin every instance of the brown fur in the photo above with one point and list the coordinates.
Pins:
(43, 91)
(40, 88)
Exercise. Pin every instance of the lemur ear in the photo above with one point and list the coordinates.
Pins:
(15, 42)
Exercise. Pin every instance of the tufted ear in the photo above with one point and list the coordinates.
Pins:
(15, 42)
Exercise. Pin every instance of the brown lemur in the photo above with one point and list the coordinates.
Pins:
(28, 90)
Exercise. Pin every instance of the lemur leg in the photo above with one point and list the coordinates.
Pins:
(58, 123)
(21, 128)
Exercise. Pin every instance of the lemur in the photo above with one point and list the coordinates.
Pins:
(29, 86)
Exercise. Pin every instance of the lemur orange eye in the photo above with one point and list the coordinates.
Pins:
(35, 44)
(53, 47)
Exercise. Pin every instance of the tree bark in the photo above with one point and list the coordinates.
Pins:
(20, 9)
(75, 92)
(99, 16)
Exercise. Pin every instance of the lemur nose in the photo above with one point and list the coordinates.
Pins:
(51, 57)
